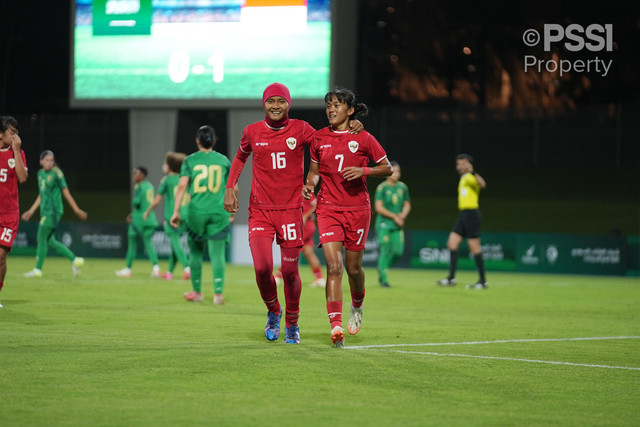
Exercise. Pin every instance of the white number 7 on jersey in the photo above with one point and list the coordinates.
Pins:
(341, 158)
(361, 233)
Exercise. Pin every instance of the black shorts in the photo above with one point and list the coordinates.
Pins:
(468, 223)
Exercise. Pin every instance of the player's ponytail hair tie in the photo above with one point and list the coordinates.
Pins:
(207, 136)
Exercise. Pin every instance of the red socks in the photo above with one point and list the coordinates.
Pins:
(292, 284)
(357, 298)
(263, 266)
(334, 311)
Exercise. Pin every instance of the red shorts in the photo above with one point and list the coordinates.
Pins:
(8, 228)
(308, 232)
(349, 227)
(285, 224)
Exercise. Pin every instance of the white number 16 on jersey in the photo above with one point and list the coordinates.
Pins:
(289, 231)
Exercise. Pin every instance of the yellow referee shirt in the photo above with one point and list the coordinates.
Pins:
(468, 192)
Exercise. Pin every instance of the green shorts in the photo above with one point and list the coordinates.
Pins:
(50, 220)
(208, 226)
(170, 231)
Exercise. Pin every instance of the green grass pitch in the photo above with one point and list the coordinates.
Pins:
(532, 350)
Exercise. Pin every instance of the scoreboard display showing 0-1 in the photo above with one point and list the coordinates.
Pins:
(191, 53)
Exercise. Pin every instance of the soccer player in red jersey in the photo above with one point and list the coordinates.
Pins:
(344, 207)
(275, 203)
(13, 170)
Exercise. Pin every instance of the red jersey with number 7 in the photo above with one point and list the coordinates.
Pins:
(335, 150)
(278, 163)
(9, 203)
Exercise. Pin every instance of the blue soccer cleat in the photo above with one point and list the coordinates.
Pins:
(292, 335)
(272, 329)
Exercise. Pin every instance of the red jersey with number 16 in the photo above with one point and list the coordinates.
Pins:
(278, 163)
(336, 150)
(9, 181)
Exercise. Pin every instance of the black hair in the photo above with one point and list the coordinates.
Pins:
(465, 157)
(207, 136)
(348, 97)
(143, 170)
(6, 122)
(45, 153)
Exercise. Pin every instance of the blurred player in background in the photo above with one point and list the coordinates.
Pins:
(344, 207)
(275, 203)
(204, 175)
(468, 223)
(143, 195)
(308, 232)
(392, 204)
(167, 190)
(13, 170)
(51, 187)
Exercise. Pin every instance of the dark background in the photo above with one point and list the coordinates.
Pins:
(538, 138)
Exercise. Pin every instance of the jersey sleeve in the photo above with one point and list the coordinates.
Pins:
(407, 197)
(308, 133)
(185, 169)
(469, 180)
(60, 176)
(150, 194)
(240, 159)
(162, 187)
(313, 150)
(375, 150)
(24, 159)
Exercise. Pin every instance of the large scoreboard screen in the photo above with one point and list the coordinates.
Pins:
(198, 53)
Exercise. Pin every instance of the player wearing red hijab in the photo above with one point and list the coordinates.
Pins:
(277, 144)
(275, 202)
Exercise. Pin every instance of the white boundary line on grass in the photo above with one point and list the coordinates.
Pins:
(386, 347)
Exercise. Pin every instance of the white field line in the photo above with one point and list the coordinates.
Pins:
(359, 347)
(387, 347)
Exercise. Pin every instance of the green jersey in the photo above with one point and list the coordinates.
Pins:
(50, 186)
(393, 198)
(143, 195)
(167, 189)
(208, 174)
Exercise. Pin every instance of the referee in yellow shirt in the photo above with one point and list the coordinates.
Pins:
(468, 223)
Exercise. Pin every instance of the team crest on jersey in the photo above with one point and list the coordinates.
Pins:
(291, 142)
(353, 146)
(12, 163)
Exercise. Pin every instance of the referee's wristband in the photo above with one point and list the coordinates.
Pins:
(366, 171)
